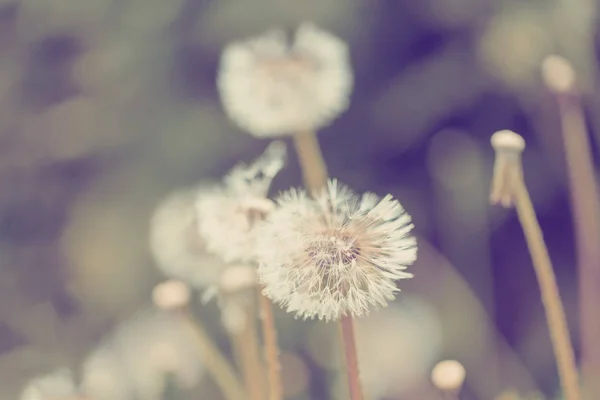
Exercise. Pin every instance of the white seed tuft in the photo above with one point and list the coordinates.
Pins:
(58, 384)
(151, 345)
(179, 250)
(272, 89)
(336, 254)
(227, 213)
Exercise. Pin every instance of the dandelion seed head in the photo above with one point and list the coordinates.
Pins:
(228, 213)
(335, 254)
(272, 88)
(176, 244)
(57, 385)
(104, 377)
(153, 344)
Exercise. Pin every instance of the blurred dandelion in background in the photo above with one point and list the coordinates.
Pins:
(152, 346)
(227, 214)
(397, 346)
(105, 377)
(176, 242)
(271, 88)
(56, 385)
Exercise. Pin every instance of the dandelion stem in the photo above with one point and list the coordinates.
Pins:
(555, 313)
(246, 348)
(586, 212)
(314, 171)
(347, 328)
(216, 364)
(271, 348)
(508, 187)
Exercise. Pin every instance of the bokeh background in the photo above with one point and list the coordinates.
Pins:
(106, 106)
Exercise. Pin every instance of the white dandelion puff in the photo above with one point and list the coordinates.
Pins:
(153, 345)
(228, 213)
(176, 244)
(58, 384)
(335, 254)
(272, 88)
(104, 375)
(413, 328)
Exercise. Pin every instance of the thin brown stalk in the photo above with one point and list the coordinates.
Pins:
(349, 341)
(509, 187)
(314, 169)
(247, 354)
(555, 313)
(216, 364)
(586, 212)
(450, 395)
(271, 348)
(314, 172)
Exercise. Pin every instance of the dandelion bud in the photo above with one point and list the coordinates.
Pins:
(558, 74)
(335, 254)
(507, 140)
(272, 88)
(448, 375)
(509, 146)
(171, 295)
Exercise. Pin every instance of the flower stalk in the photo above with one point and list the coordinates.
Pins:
(314, 172)
(312, 163)
(271, 349)
(349, 342)
(216, 364)
(173, 296)
(560, 79)
(508, 188)
(246, 349)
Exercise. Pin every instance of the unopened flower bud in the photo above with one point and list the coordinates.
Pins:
(448, 375)
(558, 74)
(170, 295)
